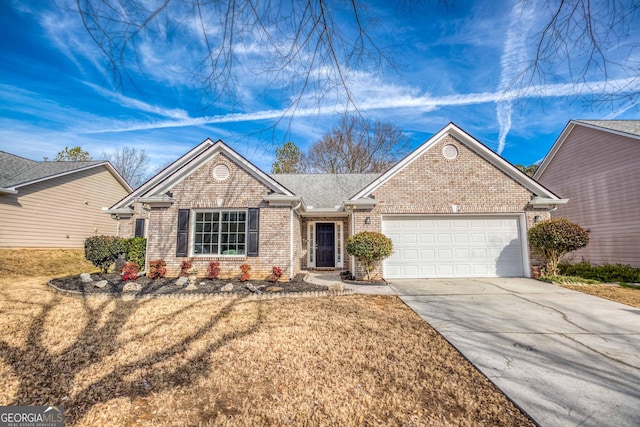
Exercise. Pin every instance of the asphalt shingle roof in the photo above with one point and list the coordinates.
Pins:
(627, 126)
(325, 190)
(16, 170)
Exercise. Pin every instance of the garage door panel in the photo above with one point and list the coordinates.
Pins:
(454, 247)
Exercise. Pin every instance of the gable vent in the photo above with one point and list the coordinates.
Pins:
(450, 152)
(221, 172)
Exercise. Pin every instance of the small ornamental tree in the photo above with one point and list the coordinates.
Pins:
(369, 248)
(556, 237)
(102, 251)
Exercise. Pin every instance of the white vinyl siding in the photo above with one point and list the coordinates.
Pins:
(454, 246)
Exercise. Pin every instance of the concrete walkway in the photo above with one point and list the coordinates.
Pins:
(326, 278)
(566, 358)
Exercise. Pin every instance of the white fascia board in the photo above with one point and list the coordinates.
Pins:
(8, 191)
(119, 213)
(544, 202)
(365, 203)
(282, 200)
(324, 212)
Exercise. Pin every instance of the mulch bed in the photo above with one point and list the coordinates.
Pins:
(167, 286)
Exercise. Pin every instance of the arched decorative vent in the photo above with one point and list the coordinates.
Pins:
(450, 152)
(221, 172)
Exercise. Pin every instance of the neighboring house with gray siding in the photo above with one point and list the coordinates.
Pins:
(56, 204)
(452, 207)
(596, 165)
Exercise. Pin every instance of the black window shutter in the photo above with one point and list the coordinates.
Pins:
(253, 229)
(139, 227)
(182, 243)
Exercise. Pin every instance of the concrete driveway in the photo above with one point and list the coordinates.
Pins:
(564, 357)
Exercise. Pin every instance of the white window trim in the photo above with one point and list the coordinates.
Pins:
(192, 234)
(338, 241)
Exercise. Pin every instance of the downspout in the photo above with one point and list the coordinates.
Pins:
(353, 231)
(291, 242)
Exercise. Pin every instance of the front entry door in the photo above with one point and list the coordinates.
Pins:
(325, 249)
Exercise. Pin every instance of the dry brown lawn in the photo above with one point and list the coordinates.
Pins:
(348, 361)
(613, 292)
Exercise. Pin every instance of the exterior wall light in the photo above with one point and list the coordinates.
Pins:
(367, 220)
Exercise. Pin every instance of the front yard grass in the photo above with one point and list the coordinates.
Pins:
(625, 294)
(348, 361)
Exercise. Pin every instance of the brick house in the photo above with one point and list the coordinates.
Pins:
(453, 208)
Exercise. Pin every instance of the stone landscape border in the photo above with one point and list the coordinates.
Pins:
(199, 295)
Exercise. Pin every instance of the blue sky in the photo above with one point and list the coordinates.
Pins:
(455, 62)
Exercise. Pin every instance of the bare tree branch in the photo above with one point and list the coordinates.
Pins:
(299, 45)
(358, 146)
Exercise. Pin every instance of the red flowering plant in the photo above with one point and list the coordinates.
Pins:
(276, 273)
(186, 265)
(130, 271)
(213, 271)
(245, 268)
(157, 268)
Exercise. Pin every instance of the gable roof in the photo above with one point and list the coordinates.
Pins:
(156, 187)
(543, 195)
(313, 187)
(16, 171)
(630, 127)
(627, 128)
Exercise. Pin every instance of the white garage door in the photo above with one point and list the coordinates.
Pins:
(453, 246)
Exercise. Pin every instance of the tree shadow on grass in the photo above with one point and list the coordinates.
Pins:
(47, 378)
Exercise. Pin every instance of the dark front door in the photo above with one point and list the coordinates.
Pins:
(325, 248)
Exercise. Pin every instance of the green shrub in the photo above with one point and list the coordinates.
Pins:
(136, 249)
(102, 251)
(369, 248)
(603, 273)
(556, 237)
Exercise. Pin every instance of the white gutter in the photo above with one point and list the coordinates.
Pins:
(8, 191)
(291, 242)
(546, 202)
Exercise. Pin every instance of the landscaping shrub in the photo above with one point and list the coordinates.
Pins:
(213, 271)
(276, 273)
(556, 237)
(102, 251)
(136, 248)
(157, 269)
(369, 248)
(245, 268)
(186, 265)
(603, 273)
(130, 271)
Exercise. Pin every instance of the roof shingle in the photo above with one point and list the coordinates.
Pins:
(325, 190)
(16, 170)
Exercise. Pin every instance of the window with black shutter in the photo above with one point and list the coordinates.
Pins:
(182, 243)
(253, 231)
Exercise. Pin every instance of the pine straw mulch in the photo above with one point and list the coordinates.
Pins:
(349, 361)
(167, 286)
